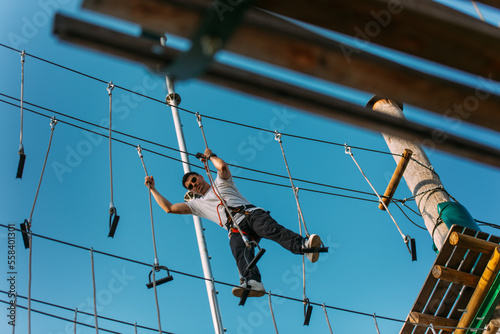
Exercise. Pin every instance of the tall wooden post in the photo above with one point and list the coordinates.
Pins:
(421, 181)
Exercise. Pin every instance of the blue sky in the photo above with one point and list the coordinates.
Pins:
(367, 270)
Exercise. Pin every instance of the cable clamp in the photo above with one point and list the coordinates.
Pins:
(139, 151)
(53, 122)
(198, 119)
(277, 136)
(23, 55)
(110, 87)
(347, 149)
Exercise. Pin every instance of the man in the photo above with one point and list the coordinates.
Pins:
(254, 222)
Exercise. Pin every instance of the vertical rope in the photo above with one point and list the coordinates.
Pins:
(135, 327)
(156, 263)
(327, 320)
(376, 325)
(477, 10)
(21, 147)
(272, 312)
(74, 323)
(30, 238)
(277, 137)
(94, 290)
(110, 94)
(15, 310)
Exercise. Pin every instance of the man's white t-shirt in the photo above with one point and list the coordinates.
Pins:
(207, 205)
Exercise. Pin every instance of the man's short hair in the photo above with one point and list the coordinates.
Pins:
(186, 176)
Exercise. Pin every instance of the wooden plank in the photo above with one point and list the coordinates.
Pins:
(456, 291)
(267, 88)
(276, 41)
(469, 242)
(455, 276)
(437, 322)
(430, 282)
(423, 28)
(466, 293)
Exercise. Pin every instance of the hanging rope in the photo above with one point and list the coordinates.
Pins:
(477, 10)
(410, 243)
(113, 216)
(22, 156)
(302, 223)
(376, 325)
(156, 266)
(26, 226)
(74, 325)
(94, 289)
(272, 312)
(327, 320)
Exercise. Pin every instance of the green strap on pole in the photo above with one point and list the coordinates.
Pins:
(489, 304)
(219, 23)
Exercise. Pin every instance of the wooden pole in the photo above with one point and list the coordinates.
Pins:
(396, 178)
(422, 181)
(455, 276)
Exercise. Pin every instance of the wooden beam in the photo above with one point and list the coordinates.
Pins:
(267, 88)
(439, 323)
(396, 178)
(491, 3)
(270, 39)
(455, 276)
(472, 243)
(423, 28)
(487, 278)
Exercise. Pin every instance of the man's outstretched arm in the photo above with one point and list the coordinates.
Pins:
(219, 164)
(179, 208)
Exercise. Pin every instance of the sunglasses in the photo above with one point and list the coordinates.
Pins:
(193, 180)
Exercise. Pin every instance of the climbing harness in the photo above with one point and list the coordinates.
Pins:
(327, 320)
(410, 242)
(113, 215)
(272, 312)
(94, 290)
(153, 283)
(22, 156)
(376, 324)
(230, 217)
(302, 226)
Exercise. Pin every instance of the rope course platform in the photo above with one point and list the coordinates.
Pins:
(461, 290)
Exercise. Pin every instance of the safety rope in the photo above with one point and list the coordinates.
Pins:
(94, 290)
(22, 157)
(349, 151)
(302, 223)
(215, 188)
(74, 324)
(156, 264)
(327, 320)
(376, 324)
(113, 217)
(53, 123)
(272, 312)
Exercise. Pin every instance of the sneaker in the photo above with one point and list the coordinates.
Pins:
(312, 242)
(256, 289)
